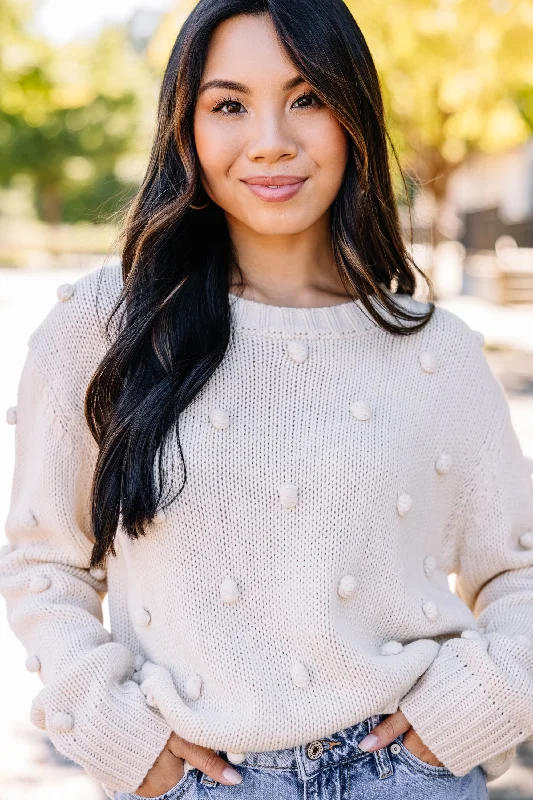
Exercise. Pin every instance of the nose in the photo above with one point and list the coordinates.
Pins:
(271, 140)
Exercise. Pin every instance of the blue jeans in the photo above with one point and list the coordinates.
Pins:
(332, 768)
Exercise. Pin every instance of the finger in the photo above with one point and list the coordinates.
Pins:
(166, 771)
(206, 760)
(414, 743)
(387, 730)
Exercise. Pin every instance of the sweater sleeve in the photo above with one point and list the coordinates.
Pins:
(92, 709)
(474, 704)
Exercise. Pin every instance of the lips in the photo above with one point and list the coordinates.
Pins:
(274, 180)
(275, 188)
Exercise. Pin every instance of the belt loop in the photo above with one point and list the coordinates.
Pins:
(381, 756)
(207, 781)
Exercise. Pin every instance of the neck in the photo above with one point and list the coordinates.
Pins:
(287, 269)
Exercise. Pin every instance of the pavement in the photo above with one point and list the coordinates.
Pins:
(30, 767)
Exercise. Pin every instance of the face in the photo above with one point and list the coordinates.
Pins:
(256, 119)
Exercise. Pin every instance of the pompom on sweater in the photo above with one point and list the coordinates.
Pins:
(337, 475)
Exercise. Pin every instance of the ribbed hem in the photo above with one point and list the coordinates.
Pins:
(341, 319)
(453, 710)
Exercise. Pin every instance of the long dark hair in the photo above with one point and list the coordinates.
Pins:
(175, 260)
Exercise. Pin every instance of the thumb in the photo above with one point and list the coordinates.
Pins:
(385, 732)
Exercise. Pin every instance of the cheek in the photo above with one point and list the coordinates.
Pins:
(328, 147)
(217, 149)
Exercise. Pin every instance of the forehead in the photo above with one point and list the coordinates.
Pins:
(245, 48)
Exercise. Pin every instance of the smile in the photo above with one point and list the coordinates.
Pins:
(278, 191)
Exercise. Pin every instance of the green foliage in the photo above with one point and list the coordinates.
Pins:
(68, 114)
(456, 76)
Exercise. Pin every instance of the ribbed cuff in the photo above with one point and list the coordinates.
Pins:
(121, 756)
(105, 726)
(453, 709)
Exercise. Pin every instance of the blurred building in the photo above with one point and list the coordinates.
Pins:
(493, 196)
(489, 218)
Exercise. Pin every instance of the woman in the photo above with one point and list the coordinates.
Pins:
(271, 461)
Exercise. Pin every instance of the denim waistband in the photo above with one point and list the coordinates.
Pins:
(313, 756)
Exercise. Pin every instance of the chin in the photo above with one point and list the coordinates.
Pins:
(279, 224)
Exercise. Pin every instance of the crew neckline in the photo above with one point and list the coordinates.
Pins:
(340, 319)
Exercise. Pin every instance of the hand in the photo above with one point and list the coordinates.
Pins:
(412, 741)
(389, 729)
(169, 767)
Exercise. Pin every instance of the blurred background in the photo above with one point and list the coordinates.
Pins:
(78, 90)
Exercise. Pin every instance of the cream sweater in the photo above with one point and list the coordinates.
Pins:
(337, 475)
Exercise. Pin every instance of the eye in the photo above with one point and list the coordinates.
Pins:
(229, 106)
(228, 102)
(306, 97)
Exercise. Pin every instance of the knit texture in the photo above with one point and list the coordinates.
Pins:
(337, 474)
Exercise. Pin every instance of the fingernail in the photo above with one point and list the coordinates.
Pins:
(368, 742)
(231, 775)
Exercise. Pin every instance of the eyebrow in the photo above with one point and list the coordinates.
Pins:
(234, 86)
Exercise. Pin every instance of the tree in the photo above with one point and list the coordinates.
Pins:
(68, 114)
(457, 79)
